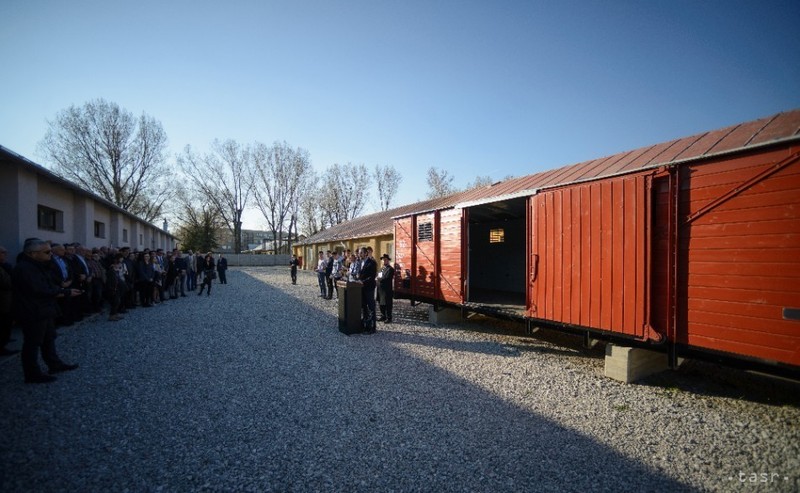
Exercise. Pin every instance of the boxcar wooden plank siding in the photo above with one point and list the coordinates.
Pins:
(604, 229)
(743, 291)
(451, 267)
(576, 255)
(754, 284)
(769, 353)
(586, 255)
(741, 257)
(403, 249)
(593, 255)
(762, 267)
(741, 254)
(723, 310)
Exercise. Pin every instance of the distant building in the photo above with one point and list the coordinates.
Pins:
(252, 241)
(374, 230)
(37, 203)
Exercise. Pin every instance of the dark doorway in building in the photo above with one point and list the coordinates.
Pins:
(496, 255)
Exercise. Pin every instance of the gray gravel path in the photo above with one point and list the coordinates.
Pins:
(254, 389)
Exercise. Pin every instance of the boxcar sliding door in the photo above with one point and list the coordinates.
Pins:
(403, 254)
(590, 256)
(451, 262)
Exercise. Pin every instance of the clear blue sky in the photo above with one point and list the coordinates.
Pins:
(475, 88)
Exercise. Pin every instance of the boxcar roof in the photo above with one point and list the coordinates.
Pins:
(775, 129)
(771, 130)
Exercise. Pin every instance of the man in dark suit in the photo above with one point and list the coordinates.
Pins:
(369, 269)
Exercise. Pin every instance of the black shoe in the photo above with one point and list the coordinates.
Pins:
(183, 296)
(40, 379)
(8, 352)
(62, 368)
(369, 331)
(382, 319)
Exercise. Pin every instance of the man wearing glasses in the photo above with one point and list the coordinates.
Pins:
(35, 294)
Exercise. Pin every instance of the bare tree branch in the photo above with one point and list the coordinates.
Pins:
(344, 192)
(279, 176)
(388, 180)
(224, 176)
(440, 183)
(105, 150)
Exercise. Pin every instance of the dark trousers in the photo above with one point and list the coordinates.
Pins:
(6, 321)
(191, 280)
(65, 307)
(222, 278)
(39, 334)
(368, 307)
(145, 293)
(129, 298)
(206, 282)
(329, 282)
(294, 276)
(321, 280)
(386, 303)
(116, 298)
(96, 295)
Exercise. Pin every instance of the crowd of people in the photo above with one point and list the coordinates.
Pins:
(359, 267)
(55, 285)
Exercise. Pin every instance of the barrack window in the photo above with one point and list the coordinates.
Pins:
(50, 219)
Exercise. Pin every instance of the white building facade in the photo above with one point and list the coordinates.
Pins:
(36, 203)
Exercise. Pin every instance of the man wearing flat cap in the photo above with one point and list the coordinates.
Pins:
(386, 289)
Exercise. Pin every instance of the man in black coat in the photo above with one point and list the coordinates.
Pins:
(329, 275)
(222, 268)
(35, 293)
(293, 263)
(183, 267)
(386, 289)
(366, 275)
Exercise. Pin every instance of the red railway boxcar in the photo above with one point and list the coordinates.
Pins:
(690, 246)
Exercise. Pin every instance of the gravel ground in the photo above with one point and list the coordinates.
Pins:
(255, 389)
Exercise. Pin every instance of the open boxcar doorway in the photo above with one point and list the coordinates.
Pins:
(496, 253)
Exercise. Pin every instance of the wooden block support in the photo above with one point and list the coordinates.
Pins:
(443, 315)
(628, 364)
